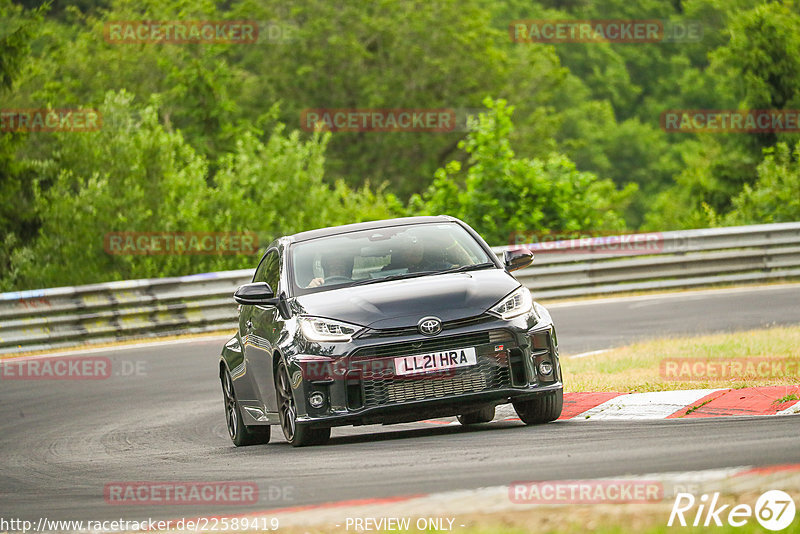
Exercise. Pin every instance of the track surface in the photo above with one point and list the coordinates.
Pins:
(62, 441)
(603, 323)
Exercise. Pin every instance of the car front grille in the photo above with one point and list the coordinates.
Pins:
(382, 387)
(432, 344)
(412, 330)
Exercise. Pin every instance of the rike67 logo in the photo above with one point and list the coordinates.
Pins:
(774, 510)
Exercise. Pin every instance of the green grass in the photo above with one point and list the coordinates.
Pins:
(787, 398)
(636, 368)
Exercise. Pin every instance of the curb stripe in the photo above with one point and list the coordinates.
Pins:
(791, 410)
(653, 405)
(698, 404)
(578, 403)
(768, 470)
(748, 401)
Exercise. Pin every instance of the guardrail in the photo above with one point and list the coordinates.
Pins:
(65, 316)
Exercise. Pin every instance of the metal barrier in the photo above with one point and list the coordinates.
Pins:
(66, 316)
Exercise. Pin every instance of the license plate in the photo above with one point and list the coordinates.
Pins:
(435, 361)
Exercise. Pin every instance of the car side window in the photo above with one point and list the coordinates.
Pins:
(269, 271)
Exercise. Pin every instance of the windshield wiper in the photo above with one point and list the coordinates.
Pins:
(473, 267)
(393, 277)
(402, 276)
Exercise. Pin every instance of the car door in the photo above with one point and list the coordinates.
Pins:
(262, 326)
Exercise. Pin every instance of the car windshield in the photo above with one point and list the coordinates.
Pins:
(384, 253)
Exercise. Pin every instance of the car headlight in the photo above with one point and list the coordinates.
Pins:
(517, 303)
(319, 329)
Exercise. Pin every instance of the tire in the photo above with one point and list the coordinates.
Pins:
(484, 415)
(296, 435)
(541, 409)
(241, 434)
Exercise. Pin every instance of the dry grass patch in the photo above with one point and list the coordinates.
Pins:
(638, 367)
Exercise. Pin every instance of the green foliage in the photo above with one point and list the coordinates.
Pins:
(500, 194)
(130, 176)
(755, 67)
(758, 68)
(17, 32)
(775, 196)
(204, 136)
(277, 188)
(763, 56)
(134, 176)
(17, 221)
(387, 55)
(704, 187)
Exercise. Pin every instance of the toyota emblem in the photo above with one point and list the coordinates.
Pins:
(429, 326)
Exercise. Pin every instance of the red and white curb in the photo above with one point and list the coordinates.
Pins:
(694, 403)
(683, 404)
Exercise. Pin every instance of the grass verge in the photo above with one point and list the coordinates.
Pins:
(648, 518)
(649, 365)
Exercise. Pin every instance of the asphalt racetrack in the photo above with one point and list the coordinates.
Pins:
(159, 417)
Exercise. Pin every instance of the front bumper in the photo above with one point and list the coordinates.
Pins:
(425, 409)
(362, 387)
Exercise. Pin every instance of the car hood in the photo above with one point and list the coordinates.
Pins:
(401, 303)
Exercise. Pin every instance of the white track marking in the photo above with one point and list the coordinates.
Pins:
(694, 476)
(791, 410)
(590, 353)
(654, 405)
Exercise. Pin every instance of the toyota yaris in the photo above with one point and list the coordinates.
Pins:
(386, 322)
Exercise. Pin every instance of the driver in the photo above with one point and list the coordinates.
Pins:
(334, 266)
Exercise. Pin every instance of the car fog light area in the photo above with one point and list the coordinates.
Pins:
(316, 399)
(545, 368)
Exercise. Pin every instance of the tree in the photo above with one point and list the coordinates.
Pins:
(500, 194)
(17, 218)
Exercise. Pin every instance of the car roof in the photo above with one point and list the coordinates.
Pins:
(371, 225)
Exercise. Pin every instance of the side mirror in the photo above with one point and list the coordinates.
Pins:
(519, 258)
(255, 294)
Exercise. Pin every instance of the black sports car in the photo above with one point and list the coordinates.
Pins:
(386, 322)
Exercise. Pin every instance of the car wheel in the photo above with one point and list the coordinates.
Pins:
(484, 415)
(240, 434)
(541, 409)
(296, 435)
